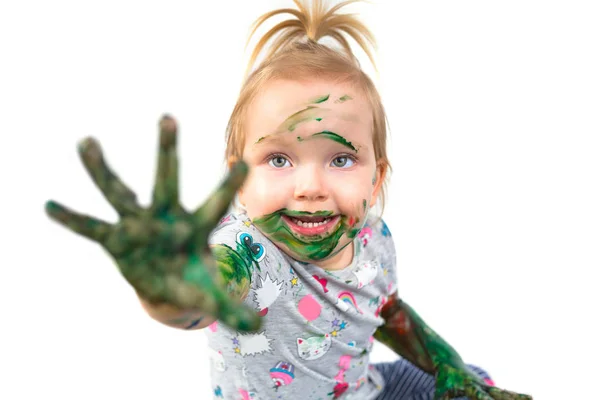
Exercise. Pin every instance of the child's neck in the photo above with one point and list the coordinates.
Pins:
(339, 261)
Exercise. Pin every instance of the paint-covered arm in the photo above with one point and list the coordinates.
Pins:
(231, 269)
(410, 337)
(162, 250)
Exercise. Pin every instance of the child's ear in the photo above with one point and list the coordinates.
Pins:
(230, 162)
(378, 179)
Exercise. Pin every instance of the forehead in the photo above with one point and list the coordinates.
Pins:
(282, 102)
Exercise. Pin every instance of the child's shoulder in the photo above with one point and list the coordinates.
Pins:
(375, 227)
(232, 226)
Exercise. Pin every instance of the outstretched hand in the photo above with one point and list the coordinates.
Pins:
(162, 250)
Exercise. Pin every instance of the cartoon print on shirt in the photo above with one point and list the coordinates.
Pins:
(365, 235)
(255, 250)
(251, 344)
(340, 378)
(218, 392)
(266, 293)
(282, 374)
(322, 281)
(237, 265)
(246, 395)
(295, 284)
(384, 230)
(337, 325)
(226, 218)
(346, 300)
(365, 273)
(313, 347)
(217, 360)
(309, 307)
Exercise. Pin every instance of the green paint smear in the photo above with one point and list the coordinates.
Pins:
(364, 204)
(312, 248)
(343, 99)
(260, 139)
(300, 139)
(319, 119)
(337, 138)
(310, 113)
(320, 99)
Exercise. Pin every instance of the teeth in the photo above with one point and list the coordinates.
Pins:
(311, 224)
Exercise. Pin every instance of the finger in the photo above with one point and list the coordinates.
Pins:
(500, 394)
(115, 191)
(441, 393)
(87, 226)
(166, 185)
(476, 393)
(218, 203)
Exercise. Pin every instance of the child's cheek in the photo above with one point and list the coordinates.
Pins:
(263, 197)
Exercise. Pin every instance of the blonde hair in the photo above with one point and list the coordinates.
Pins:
(296, 55)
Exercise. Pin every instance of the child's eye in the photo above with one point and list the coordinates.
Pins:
(342, 162)
(279, 161)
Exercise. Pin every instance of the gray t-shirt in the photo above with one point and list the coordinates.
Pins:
(317, 327)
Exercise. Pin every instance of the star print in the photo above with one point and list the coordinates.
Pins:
(237, 350)
(335, 322)
(334, 333)
(343, 325)
(236, 341)
(294, 281)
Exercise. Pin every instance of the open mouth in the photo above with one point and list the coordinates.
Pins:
(311, 225)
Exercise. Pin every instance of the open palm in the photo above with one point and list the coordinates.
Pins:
(162, 250)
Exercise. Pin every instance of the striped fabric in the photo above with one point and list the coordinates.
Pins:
(404, 381)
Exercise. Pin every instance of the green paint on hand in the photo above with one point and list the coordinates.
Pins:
(337, 138)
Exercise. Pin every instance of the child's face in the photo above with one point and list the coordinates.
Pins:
(313, 174)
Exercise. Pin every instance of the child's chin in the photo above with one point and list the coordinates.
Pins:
(303, 258)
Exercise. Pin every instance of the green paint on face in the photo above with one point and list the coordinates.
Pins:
(337, 138)
(305, 247)
(310, 113)
(343, 99)
(374, 179)
(320, 99)
(364, 204)
(260, 139)
(300, 139)
(319, 119)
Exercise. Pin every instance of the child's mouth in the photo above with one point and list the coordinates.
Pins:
(311, 226)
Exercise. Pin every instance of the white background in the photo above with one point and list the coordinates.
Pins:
(494, 110)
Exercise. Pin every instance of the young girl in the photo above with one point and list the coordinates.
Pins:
(315, 271)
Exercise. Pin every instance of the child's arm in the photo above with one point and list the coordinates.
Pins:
(163, 250)
(175, 317)
(408, 335)
(193, 319)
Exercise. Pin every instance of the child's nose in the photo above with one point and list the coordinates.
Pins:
(310, 184)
